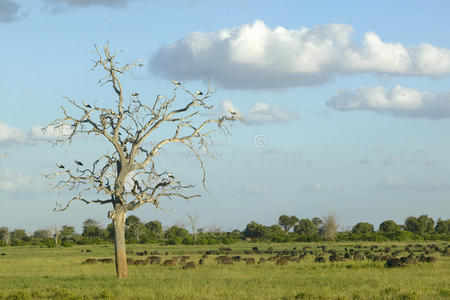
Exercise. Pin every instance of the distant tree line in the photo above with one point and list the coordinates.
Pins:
(288, 229)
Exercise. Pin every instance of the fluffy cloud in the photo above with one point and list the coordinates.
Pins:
(11, 135)
(400, 101)
(256, 56)
(425, 185)
(260, 113)
(39, 133)
(9, 11)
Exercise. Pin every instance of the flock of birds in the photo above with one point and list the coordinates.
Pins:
(87, 105)
(61, 166)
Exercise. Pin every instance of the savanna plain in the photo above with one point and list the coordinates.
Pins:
(45, 273)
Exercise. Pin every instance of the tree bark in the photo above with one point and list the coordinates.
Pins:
(119, 242)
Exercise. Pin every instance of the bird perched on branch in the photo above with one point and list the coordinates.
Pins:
(232, 112)
(176, 82)
(170, 175)
(78, 162)
(199, 93)
(136, 184)
(135, 94)
(86, 104)
(59, 165)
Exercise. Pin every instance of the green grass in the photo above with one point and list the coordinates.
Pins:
(40, 273)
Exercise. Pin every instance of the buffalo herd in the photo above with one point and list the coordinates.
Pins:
(392, 256)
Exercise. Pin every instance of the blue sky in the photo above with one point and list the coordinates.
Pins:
(347, 103)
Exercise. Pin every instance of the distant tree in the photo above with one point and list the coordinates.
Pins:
(18, 235)
(92, 229)
(306, 229)
(154, 228)
(254, 230)
(4, 235)
(389, 226)
(55, 234)
(287, 222)
(67, 232)
(426, 224)
(363, 228)
(420, 225)
(193, 220)
(132, 220)
(236, 234)
(317, 221)
(109, 232)
(135, 229)
(176, 234)
(274, 233)
(442, 226)
(329, 228)
(42, 233)
(411, 224)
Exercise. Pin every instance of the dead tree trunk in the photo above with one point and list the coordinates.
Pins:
(56, 236)
(118, 217)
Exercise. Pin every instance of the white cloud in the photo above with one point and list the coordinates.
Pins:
(11, 135)
(39, 133)
(12, 182)
(227, 107)
(257, 56)
(260, 113)
(400, 101)
(9, 11)
(377, 56)
(424, 185)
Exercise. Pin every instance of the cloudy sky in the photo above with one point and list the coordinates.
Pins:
(347, 104)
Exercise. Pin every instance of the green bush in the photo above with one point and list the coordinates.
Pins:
(66, 244)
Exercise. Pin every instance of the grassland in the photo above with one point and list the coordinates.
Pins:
(42, 273)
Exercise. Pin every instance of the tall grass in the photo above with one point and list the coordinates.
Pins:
(39, 273)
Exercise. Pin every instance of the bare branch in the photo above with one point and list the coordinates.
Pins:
(129, 177)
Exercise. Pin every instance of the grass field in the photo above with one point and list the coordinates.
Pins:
(42, 273)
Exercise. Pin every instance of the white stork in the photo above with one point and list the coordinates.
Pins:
(86, 104)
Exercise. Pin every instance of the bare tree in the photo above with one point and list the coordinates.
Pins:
(193, 221)
(55, 235)
(129, 177)
(329, 227)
